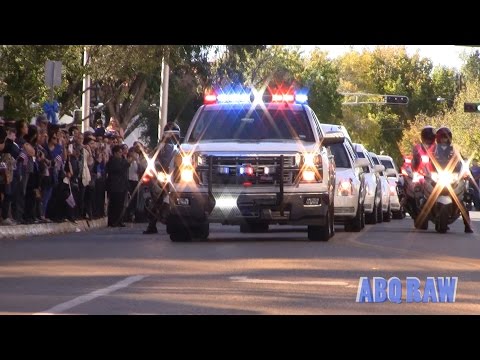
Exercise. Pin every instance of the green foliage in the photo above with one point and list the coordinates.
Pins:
(22, 74)
(471, 67)
(189, 77)
(461, 124)
(321, 77)
(391, 71)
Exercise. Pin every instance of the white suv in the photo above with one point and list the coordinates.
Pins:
(250, 162)
(350, 184)
(391, 171)
(373, 198)
(386, 206)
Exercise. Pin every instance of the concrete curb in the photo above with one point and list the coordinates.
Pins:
(20, 231)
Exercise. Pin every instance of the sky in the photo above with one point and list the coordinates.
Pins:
(448, 55)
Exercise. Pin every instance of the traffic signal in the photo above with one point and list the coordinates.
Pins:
(396, 99)
(471, 107)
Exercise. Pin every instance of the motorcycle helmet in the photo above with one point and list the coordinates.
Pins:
(443, 133)
(171, 130)
(428, 135)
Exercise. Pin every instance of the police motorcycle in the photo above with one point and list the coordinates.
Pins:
(443, 186)
(156, 178)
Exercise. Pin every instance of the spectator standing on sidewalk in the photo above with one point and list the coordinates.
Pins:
(115, 128)
(7, 164)
(117, 186)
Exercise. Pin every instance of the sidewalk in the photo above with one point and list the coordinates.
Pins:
(19, 231)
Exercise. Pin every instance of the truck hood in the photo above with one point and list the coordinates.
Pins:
(248, 148)
(344, 173)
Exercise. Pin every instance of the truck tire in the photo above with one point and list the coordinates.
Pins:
(372, 218)
(355, 224)
(320, 233)
(177, 231)
(201, 231)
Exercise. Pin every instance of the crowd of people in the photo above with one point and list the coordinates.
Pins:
(50, 173)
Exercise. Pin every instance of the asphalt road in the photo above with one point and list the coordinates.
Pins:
(121, 271)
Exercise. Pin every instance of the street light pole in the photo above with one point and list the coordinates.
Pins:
(163, 109)
(85, 96)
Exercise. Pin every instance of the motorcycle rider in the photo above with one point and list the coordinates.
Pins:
(444, 152)
(426, 147)
(418, 167)
(167, 149)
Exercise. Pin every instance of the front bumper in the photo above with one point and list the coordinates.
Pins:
(345, 208)
(394, 203)
(234, 209)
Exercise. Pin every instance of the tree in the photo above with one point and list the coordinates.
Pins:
(231, 64)
(22, 74)
(189, 77)
(389, 71)
(459, 122)
(444, 85)
(471, 66)
(129, 74)
(321, 77)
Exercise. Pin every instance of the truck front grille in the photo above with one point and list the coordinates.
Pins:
(265, 170)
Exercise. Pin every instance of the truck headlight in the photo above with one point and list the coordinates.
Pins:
(308, 175)
(186, 174)
(187, 160)
(345, 188)
(163, 177)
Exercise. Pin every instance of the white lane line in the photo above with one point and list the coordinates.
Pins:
(245, 279)
(57, 309)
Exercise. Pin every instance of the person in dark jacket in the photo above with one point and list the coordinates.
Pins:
(444, 152)
(168, 148)
(117, 186)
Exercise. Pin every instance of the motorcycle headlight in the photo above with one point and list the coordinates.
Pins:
(445, 178)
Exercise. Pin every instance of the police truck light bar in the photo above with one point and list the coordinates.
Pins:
(246, 96)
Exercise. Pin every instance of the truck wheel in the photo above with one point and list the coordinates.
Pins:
(201, 231)
(320, 233)
(356, 223)
(387, 217)
(372, 218)
(380, 213)
(332, 221)
(363, 217)
(178, 232)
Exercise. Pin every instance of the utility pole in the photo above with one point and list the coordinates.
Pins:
(163, 108)
(85, 95)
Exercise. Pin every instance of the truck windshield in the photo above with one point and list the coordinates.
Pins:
(388, 164)
(246, 124)
(340, 156)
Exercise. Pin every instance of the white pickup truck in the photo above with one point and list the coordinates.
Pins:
(253, 161)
